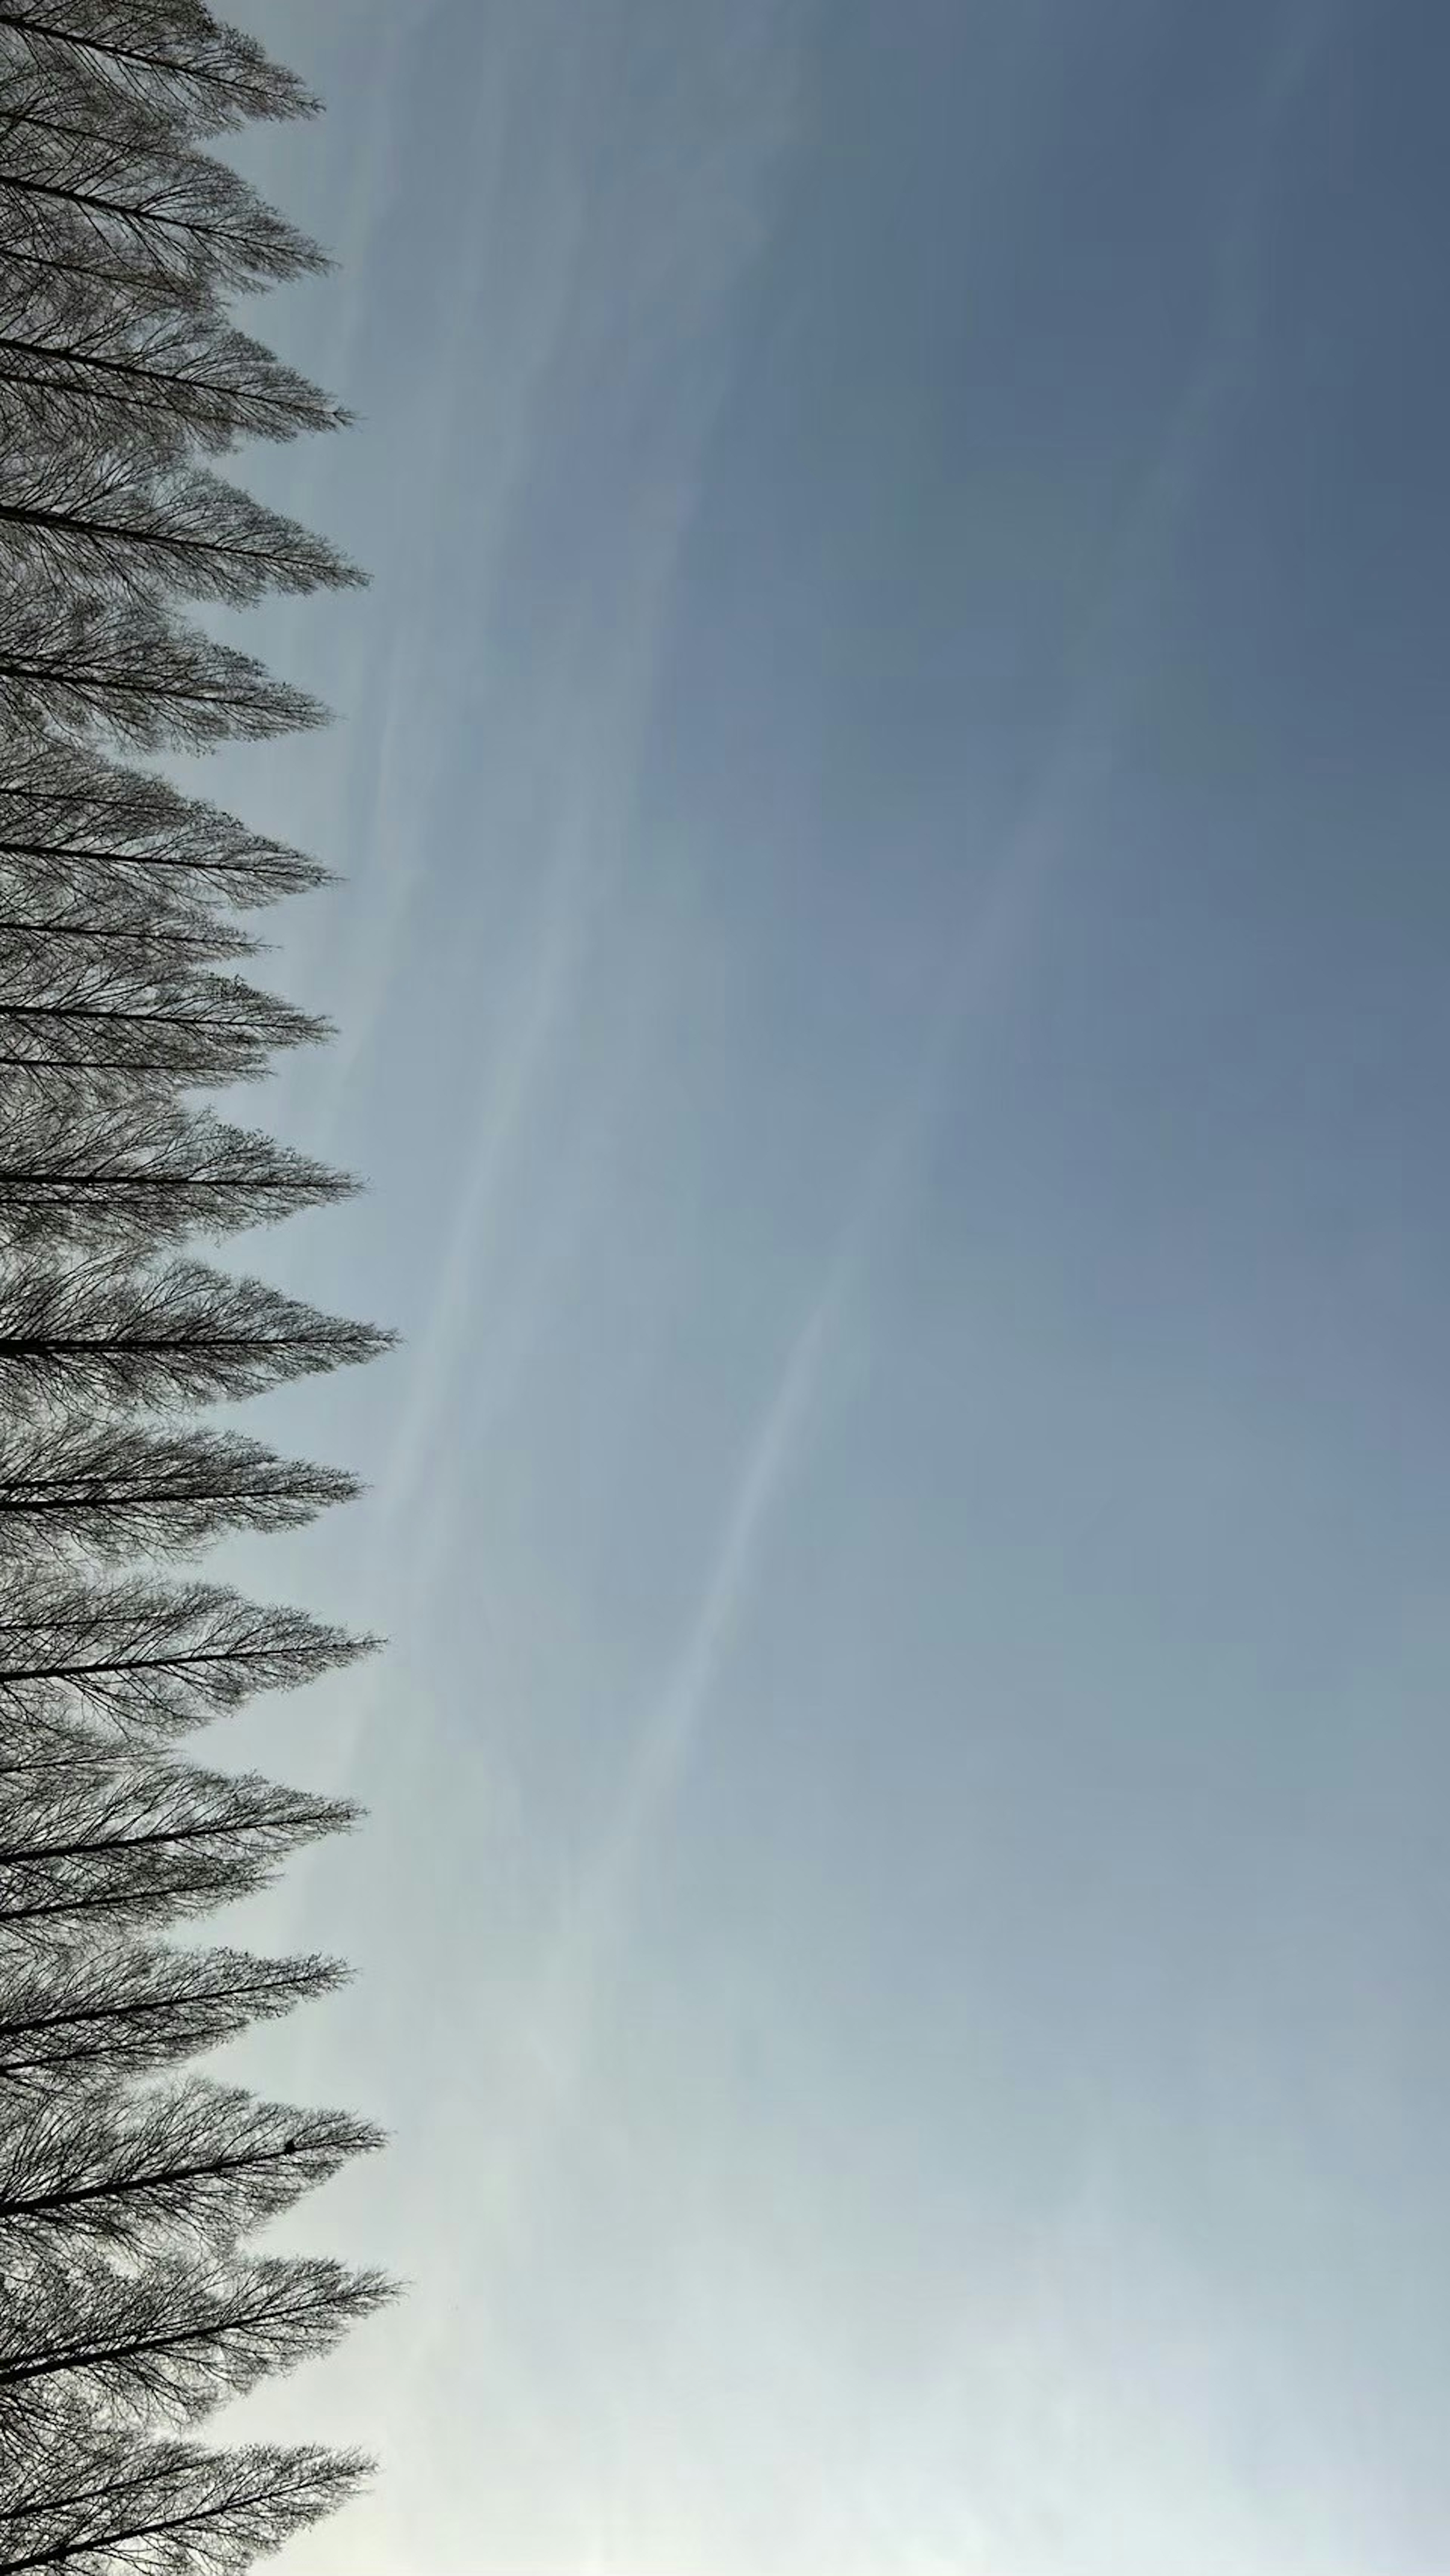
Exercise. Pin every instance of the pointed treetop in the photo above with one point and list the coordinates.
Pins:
(171, 57)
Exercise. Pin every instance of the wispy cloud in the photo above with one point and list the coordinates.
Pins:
(556, 730)
(597, 280)
(560, 2011)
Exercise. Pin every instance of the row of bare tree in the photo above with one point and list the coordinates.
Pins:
(134, 2298)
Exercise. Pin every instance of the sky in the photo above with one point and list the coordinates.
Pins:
(891, 781)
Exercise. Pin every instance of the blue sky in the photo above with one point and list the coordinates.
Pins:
(892, 995)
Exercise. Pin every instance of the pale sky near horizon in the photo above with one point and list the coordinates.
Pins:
(892, 989)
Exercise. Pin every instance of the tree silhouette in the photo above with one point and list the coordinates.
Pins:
(177, 2337)
(167, 57)
(95, 2016)
(72, 821)
(151, 1658)
(119, 1843)
(50, 938)
(178, 217)
(85, 1173)
(112, 520)
(200, 2165)
(90, 662)
(110, 1334)
(96, 2501)
(161, 388)
(192, 1028)
(131, 2180)
(122, 1491)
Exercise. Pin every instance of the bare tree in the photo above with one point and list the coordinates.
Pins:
(175, 2339)
(127, 2303)
(170, 56)
(112, 1845)
(32, 97)
(76, 822)
(184, 1335)
(120, 1491)
(202, 1028)
(94, 2501)
(51, 937)
(112, 520)
(104, 2013)
(154, 1659)
(176, 215)
(161, 387)
(198, 2166)
(91, 663)
(81, 1172)
(77, 282)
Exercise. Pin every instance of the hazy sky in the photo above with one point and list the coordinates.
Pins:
(893, 986)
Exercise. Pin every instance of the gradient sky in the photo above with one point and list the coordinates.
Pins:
(893, 997)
